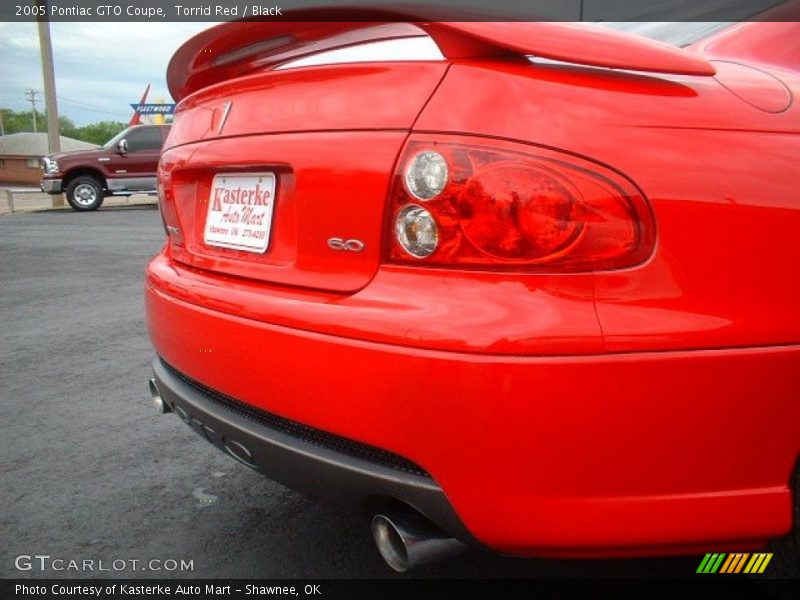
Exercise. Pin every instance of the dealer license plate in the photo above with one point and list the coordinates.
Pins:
(240, 211)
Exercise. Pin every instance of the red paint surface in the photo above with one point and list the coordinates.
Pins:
(234, 49)
(627, 411)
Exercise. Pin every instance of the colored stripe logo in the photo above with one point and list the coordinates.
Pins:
(736, 562)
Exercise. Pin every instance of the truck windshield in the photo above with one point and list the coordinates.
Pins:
(114, 140)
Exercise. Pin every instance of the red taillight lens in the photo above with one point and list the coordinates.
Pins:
(166, 205)
(508, 205)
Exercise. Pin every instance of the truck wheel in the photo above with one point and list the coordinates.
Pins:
(85, 193)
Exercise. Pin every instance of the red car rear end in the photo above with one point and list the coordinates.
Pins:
(545, 307)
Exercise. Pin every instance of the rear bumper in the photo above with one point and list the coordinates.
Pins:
(51, 186)
(595, 455)
(314, 462)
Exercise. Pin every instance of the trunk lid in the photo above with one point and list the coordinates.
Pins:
(323, 141)
(320, 142)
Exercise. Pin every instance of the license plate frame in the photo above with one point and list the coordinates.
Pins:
(240, 211)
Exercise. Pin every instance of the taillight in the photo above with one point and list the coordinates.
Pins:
(486, 203)
(166, 205)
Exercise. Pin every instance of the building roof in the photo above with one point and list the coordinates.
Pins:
(35, 144)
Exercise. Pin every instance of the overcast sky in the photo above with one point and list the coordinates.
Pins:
(100, 67)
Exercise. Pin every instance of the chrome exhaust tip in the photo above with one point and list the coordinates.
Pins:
(161, 406)
(406, 541)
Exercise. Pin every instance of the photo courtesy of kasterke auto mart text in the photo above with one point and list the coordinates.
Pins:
(124, 589)
(538, 296)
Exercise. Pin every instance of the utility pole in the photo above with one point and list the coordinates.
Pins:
(49, 77)
(30, 96)
(2, 127)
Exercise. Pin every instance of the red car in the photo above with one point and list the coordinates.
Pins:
(540, 295)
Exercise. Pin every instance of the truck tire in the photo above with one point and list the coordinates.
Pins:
(85, 193)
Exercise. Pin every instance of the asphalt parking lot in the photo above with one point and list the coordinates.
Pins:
(90, 471)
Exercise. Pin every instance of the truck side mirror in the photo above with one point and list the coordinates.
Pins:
(122, 146)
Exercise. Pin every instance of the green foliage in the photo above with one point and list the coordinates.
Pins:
(67, 128)
(14, 122)
(99, 133)
(94, 133)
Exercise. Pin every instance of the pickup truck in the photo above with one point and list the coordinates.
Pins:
(125, 165)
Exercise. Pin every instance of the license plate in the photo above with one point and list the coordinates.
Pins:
(240, 211)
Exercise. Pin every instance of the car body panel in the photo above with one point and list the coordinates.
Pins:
(550, 456)
(682, 141)
(316, 199)
(755, 86)
(481, 314)
(333, 98)
(774, 46)
(231, 50)
(135, 167)
(648, 409)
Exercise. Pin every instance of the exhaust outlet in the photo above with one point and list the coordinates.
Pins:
(161, 406)
(407, 540)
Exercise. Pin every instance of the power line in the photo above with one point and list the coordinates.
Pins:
(10, 97)
(76, 103)
(89, 106)
(30, 96)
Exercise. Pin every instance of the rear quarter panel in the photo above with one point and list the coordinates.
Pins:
(719, 173)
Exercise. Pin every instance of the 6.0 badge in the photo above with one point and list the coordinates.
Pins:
(349, 245)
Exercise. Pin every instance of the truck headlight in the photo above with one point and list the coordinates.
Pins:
(50, 166)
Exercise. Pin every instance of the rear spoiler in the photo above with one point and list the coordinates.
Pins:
(233, 49)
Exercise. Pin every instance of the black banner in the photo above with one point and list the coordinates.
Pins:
(729, 588)
(372, 10)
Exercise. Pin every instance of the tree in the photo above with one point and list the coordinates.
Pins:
(17, 121)
(94, 133)
(99, 133)
(67, 127)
